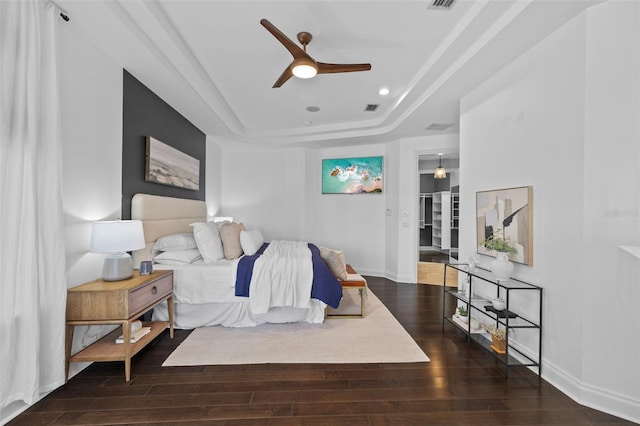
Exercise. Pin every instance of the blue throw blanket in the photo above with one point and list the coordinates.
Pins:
(325, 286)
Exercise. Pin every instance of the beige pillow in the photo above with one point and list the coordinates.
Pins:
(335, 261)
(230, 236)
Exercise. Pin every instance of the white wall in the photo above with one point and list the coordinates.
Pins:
(611, 208)
(213, 177)
(91, 119)
(354, 223)
(556, 118)
(264, 188)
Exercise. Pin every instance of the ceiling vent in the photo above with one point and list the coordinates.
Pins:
(439, 126)
(371, 107)
(441, 4)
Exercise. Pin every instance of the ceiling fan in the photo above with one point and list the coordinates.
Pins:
(303, 65)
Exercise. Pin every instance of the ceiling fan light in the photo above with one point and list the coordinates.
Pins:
(305, 69)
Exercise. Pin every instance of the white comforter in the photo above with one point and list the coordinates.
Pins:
(282, 276)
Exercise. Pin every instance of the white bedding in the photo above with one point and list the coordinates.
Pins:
(282, 276)
(204, 295)
(189, 316)
(201, 282)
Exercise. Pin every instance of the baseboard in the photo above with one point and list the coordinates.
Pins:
(398, 279)
(594, 397)
(370, 272)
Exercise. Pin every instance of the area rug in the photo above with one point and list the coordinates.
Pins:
(376, 338)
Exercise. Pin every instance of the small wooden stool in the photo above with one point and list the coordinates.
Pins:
(359, 283)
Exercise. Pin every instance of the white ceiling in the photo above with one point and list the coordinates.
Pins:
(215, 64)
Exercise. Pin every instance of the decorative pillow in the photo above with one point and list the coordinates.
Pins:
(174, 242)
(219, 225)
(335, 261)
(230, 235)
(177, 257)
(251, 241)
(208, 241)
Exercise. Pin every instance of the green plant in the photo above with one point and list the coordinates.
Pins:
(497, 243)
(462, 311)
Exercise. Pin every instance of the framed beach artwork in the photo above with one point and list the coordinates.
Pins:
(168, 166)
(357, 175)
(507, 213)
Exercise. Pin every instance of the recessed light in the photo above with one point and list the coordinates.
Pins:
(384, 91)
(313, 108)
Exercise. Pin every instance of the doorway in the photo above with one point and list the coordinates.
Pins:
(438, 219)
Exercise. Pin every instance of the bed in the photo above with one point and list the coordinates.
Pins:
(205, 289)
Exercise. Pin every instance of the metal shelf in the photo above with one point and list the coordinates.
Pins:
(480, 308)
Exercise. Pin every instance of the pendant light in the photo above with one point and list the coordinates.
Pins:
(440, 172)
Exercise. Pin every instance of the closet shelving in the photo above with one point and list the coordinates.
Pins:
(441, 220)
(425, 222)
(455, 222)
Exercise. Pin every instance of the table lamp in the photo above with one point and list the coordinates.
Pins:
(115, 238)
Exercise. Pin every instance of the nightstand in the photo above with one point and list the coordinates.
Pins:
(121, 303)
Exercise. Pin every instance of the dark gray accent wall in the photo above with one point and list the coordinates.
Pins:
(145, 114)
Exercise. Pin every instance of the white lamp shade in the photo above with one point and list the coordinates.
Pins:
(116, 236)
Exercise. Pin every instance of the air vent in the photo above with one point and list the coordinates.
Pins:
(439, 126)
(441, 4)
(371, 107)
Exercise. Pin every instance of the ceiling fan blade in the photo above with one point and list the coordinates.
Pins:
(295, 50)
(324, 68)
(286, 75)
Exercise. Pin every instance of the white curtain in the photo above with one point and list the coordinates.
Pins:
(32, 256)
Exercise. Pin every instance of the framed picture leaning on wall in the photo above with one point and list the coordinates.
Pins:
(506, 213)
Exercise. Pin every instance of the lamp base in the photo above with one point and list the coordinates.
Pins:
(117, 267)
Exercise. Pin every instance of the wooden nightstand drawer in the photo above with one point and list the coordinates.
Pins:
(150, 293)
(105, 300)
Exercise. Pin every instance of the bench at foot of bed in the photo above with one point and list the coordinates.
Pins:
(353, 281)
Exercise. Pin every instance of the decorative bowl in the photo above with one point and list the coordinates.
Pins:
(498, 304)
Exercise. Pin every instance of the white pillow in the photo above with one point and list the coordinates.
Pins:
(208, 241)
(174, 242)
(335, 261)
(177, 257)
(251, 241)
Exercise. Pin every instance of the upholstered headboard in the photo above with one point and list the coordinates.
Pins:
(163, 216)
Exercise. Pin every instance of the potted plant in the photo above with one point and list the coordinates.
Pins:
(495, 242)
(501, 267)
(463, 314)
(498, 338)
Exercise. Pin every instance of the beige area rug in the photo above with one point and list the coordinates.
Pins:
(376, 338)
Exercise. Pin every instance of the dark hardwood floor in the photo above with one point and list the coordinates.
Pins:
(462, 385)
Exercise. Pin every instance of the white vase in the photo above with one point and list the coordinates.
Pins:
(501, 267)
